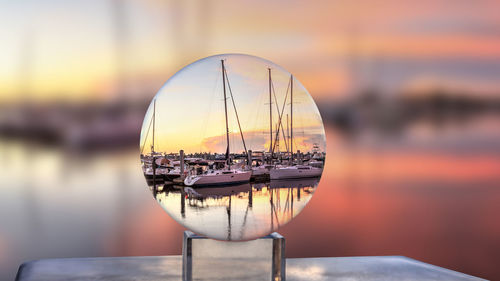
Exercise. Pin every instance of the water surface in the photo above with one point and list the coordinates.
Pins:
(430, 193)
(237, 212)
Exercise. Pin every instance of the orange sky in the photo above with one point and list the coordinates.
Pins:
(76, 50)
(190, 110)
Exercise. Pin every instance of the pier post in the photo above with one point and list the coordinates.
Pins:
(181, 153)
(153, 166)
(250, 159)
(183, 202)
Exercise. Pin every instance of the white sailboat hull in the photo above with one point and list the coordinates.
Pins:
(294, 173)
(159, 175)
(260, 172)
(218, 178)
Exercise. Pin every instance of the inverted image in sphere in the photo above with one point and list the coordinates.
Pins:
(233, 147)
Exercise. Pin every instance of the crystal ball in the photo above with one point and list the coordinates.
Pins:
(232, 147)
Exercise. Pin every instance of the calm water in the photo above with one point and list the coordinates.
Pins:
(237, 212)
(430, 193)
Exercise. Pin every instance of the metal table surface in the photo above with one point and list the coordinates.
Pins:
(166, 268)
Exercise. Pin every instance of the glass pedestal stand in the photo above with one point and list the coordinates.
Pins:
(208, 259)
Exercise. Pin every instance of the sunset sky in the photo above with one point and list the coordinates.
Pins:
(190, 108)
(436, 170)
(81, 50)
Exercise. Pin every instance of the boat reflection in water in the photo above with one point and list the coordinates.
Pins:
(236, 212)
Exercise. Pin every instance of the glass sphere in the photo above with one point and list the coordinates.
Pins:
(232, 147)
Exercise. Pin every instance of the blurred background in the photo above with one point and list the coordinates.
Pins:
(409, 92)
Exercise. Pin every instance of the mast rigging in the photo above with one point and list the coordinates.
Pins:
(225, 111)
(236, 112)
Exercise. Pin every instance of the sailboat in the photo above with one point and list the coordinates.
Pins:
(293, 171)
(225, 176)
(152, 160)
(262, 171)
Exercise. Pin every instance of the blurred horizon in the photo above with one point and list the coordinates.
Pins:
(408, 92)
(128, 49)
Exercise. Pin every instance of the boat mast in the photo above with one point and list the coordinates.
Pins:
(291, 119)
(270, 117)
(225, 110)
(287, 132)
(154, 119)
(236, 112)
(277, 141)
